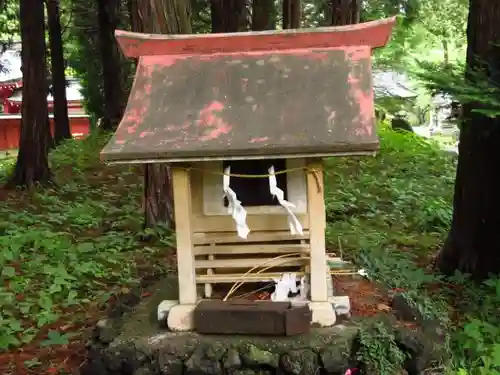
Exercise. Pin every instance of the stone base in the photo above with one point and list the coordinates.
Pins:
(324, 350)
(323, 314)
(164, 308)
(180, 318)
(135, 344)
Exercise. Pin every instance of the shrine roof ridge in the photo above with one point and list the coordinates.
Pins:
(373, 33)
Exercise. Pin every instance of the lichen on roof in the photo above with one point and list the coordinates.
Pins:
(282, 102)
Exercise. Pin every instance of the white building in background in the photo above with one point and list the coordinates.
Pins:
(443, 120)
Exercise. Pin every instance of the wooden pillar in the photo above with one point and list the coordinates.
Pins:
(181, 180)
(317, 224)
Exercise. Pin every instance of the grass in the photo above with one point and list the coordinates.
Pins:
(397, 200)
(67, 251)
(7, 155)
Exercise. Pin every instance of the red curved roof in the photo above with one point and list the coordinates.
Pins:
(279, 94)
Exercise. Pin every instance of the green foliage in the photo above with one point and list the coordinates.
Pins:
(9, 21)
(70, 248)
(83, 52)
(476, 341)
(475, 87)
(200, 17)
(395, 199)
(481, 342)
(65, 247)
(445, 23)
(426, 29)
(378, 349)
(390, 212)
(445, 19)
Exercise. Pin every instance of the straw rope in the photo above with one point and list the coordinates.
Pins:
(240, 175)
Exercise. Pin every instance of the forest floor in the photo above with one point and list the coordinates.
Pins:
(70, 250)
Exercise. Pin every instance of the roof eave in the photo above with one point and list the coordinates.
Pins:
(373, 33)
(137, 158)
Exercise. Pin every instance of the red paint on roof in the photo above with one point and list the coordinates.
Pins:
(250, 94)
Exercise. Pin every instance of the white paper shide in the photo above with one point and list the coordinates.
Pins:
(293, 222)
(235, 209)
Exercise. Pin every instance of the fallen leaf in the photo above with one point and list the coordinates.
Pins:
(65, 327)
(383, 307)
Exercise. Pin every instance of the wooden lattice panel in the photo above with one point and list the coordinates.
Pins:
(225, 258)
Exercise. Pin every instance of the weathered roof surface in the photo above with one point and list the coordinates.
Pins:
(254, 103)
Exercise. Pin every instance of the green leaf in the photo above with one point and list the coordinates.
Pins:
(15, 326)
(72, 297)
(495, 354)
(32, 363)
(487, 112)
(56, 338)
(8, 272)
(85, 247)
(26, 338)
(7, 341)
(25, 308)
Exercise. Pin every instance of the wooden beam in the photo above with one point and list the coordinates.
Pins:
(250, 262)
(317, 224)
(234, 277)
(184, 235)
(251, 249)
(232, 237)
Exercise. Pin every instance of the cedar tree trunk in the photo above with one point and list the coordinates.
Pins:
(161, 17)
(345, 12)
(32, 164)
(61, 120)
(263, 15)
(291, 14)
(228, 16)
(473, 243)
(112, 66)
(133, 13)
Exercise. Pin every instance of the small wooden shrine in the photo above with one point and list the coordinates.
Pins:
(245, 119)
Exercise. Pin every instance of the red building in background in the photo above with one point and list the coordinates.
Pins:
(11, 83)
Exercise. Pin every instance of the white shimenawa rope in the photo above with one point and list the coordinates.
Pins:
(293, 222)
(235, 209)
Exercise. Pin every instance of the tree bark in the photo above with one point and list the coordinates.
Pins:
(32, 166)
(473, 243)
(345, 12)
(446, 53)
(263, 15)
(114, 85)
(61, 121)
(228, 16)
(133, 12)
(160, 17)
(291, 14)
